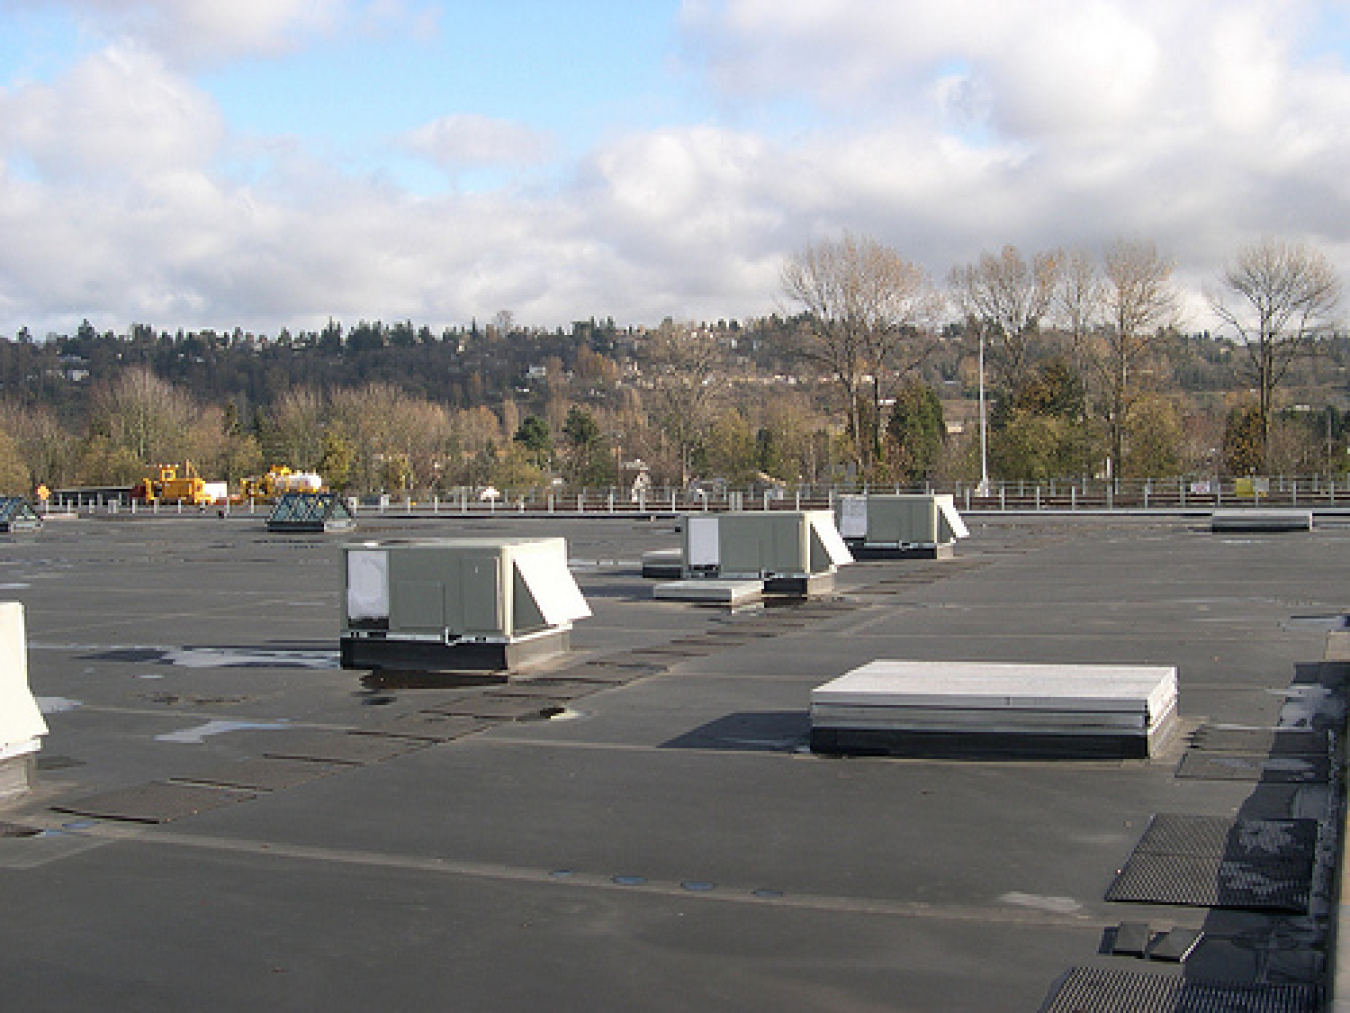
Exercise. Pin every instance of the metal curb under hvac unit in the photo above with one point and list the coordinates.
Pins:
(457, 604)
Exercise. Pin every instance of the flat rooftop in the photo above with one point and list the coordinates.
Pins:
(639, 825)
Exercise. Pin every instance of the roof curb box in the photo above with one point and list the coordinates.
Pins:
(984, 710)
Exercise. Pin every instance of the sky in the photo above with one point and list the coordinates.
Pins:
(276, 163)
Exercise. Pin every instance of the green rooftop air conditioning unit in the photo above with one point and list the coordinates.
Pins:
(905, 525)
(457, 604)
(792, 551)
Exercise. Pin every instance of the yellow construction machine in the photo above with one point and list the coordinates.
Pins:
(278, 481)
(170, 484)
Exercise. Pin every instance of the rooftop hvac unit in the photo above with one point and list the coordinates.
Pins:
(457, 603)
(792, 551)
(913, 525)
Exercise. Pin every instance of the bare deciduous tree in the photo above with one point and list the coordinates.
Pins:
(1139, 299)
(686, 376)
(221, 454)
(1078, 305)
(1009, 296)
(146, 417)
(870, 317)
(293, 433)
(1280, 299)
(395, 438)
(48, 450)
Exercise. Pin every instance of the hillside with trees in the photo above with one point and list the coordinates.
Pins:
(873, 372)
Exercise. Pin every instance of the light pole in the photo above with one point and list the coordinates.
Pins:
(984, 427)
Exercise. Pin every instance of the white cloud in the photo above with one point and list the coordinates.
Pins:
(212, 32)
(115, 114)
(942, 127)
(467, 140)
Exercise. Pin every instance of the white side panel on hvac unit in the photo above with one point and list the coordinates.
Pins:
(21, 722)
(702, 535)
(554, 589)
(953, 519)
(822, 522)
(853, 516)
(368, 584)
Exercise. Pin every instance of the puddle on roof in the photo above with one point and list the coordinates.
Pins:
(1057, 905)
(1327, 622)
(202, 657)
(1304, 705)
(56, 704)
(226, 657)
(198, 734)
(384, 680)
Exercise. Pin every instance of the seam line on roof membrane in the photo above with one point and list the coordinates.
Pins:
(753, 893)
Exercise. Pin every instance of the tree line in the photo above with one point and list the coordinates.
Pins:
(1033, 366)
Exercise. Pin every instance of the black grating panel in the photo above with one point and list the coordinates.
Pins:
(1213, 882)
(1208, 862)
(1243, 839)
(1272, 741)
(1287, 769)
(1098, 990)
(156, 802)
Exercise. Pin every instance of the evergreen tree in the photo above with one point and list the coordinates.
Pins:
(916, 431)
(534, 436)
(1243, 440)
